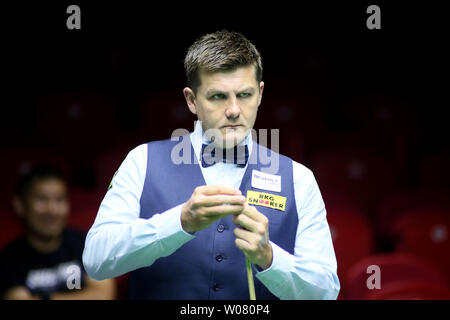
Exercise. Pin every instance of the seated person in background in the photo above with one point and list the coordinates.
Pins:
(46, 263)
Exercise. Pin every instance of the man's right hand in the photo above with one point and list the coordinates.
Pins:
(208, 204)
(19, 293)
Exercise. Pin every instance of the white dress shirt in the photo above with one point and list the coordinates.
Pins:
(119, 241)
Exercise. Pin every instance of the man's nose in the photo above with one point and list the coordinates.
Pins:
(53, 207)
(233, 110)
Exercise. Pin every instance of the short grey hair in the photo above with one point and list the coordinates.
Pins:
(220, 51)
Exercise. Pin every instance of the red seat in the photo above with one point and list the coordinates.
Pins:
(298, 116)
(107, 163)
(394, 268)
(76, 120)
(170, 104)
(362, 174)
(11, 228)
(405, 200)
(411, 290)
(84, 208)
(352, 238)
(425, 233)
(434, 170)
(383, 120)
(386, 122)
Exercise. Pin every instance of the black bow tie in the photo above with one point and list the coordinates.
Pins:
(238, 155)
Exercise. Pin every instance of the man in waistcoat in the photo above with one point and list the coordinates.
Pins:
(182, 215)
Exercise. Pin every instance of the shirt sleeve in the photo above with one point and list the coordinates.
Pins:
(310, 273)
(120, 241)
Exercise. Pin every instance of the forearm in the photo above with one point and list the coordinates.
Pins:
(292, 277)
(19, 292)
(114, 248)
(85, 294)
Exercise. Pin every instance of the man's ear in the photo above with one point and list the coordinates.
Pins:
(18, 206)
(189, 95)
(261, 89)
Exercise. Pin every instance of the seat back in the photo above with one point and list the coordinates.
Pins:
(425, 233)
(411, 290)
(352, 238)
(388, 268)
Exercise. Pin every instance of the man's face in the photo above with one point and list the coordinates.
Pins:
(228, 102)
(46, 208)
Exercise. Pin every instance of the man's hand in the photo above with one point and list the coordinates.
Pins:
(19, 293)
(253, 236)
(208, 204)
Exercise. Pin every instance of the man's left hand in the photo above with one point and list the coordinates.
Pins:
(253, 237)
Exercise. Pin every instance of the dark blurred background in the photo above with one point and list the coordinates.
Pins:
(364, 109)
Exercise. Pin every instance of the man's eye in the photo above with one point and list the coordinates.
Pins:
(218, 96)
(61, 199)
(41, 198)
(244, 95)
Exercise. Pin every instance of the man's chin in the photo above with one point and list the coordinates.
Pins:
(226, 139)
(231, 141)
(49, 232)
